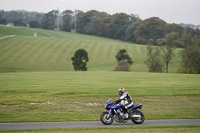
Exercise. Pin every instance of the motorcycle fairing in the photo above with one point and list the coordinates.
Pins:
(137, 106)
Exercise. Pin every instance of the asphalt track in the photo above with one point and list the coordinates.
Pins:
(40, 125)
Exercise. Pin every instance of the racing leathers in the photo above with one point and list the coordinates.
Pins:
(126, 100)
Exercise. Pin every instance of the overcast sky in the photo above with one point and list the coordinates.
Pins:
(171, 11)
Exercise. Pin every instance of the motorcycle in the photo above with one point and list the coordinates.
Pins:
(115, 112)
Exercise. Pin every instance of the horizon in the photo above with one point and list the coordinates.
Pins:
(179, 11)
(99, 11)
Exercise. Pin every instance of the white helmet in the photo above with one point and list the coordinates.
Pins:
(121, 91)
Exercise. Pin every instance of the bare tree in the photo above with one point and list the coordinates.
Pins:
(153, 61)
(167, 46)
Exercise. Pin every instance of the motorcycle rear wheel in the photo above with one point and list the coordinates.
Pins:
(139, 119)
(106, 119)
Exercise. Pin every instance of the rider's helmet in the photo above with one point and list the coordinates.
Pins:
(121, 91)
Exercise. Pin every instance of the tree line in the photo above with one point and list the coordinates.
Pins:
(20, 17)
(117, 26)
(152, 32)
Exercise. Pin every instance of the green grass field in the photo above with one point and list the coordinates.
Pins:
(74, 96)
(44, 53)
(38, 84)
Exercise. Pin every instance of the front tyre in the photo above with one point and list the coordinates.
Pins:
(106, 118)
(137, 117)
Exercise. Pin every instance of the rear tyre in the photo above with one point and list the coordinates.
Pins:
(106, 119)
(137, 117)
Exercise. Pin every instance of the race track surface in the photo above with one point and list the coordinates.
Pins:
(39, 125)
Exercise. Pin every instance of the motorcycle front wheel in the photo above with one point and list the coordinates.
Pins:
(137, 117)
(106, 118)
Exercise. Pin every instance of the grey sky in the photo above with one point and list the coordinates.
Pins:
(171, 11)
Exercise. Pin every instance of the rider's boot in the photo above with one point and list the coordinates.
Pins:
(126, 115)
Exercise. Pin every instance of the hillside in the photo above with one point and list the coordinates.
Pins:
(52, 51)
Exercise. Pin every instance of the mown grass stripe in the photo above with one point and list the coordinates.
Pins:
(35, 49)
(28, 45)
(130, 51)
(91, 50)
(20, 52)
(87, 45)
(60, 51)
(137, 56)
(63, 52)
(96, 50)
(82, 44)
(29, 52)
(113, 50)
(48, 50)
(100, 52)
(12, 42)
(105, 51)
(70, 50)
(144, 50)
(15, 47)
(44, 51)
(5, 43)
(54, 51)
(57, 50)
(138, 49)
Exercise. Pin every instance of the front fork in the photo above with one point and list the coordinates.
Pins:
(109, 114)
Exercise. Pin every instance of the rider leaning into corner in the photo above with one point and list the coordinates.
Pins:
(126, 100)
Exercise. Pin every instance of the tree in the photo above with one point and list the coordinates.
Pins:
(34, 24)
(122, 55)
(48, 20)
(168, 45)
(191, 55)
(27, 17)
(66, 20)
(85, 21)
(3, 21)
(80, 60)
(153, 61)
(129, 36)
(179, 30)
(19, 22)
(119, 23)
(152, 28)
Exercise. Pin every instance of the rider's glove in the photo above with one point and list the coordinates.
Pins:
(114, 103)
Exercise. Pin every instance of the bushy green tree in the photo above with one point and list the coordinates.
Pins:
(34, 24)
(119, 26)
(152, 28)
(80, 60)
(122, 55)
(66, 20)
(48, 20)
(19, 22)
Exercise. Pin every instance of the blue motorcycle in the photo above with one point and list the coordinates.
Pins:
(115, 112)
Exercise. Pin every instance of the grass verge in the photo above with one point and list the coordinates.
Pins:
(127, 129)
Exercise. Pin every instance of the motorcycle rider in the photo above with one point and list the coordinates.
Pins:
(127, 101)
